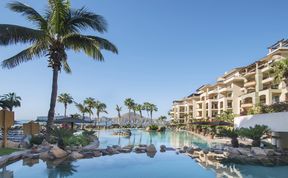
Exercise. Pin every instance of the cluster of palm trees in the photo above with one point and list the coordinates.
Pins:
(135, 107)
(88, 106)
(10, 101)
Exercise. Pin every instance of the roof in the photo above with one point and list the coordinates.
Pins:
(71, 120)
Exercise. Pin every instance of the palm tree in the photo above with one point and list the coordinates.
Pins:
(90, 103)
(129, 103)
(10, 101)
(280, 71)
(162, 119)
(139, 108)
(100, 108)
(83, 109)
(152, 108)
(146, 107)
(58, 30)
(119, 109)
(66, 99)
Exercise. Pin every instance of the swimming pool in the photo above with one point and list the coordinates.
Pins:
(132, 165)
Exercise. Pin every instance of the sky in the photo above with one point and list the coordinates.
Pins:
(167, 49)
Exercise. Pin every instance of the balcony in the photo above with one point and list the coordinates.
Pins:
(247, 105)
(212, 92)
(250, 84)
(248, 74)
(225, 90)
(267, 80)
(233, 79)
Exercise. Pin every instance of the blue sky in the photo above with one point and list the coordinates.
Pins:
(167, 49)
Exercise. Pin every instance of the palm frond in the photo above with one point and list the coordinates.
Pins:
(81, 19)
(12, 34)
(59, 13)
(79, 42)
(36, 50)
(104, 44)
(66, 66)
(31, 14)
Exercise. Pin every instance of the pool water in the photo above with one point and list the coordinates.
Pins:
(132, 165)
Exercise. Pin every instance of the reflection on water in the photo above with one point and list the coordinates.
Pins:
(168, 138)
(132, 165)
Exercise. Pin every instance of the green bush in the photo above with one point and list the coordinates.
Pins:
(78, 140)
(231, 133)
(254, 133)
(36, 139)
(88, 133)
(153, 127)
(226, 116)
(262, 109)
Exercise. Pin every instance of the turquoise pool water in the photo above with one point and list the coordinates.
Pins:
(132, 165)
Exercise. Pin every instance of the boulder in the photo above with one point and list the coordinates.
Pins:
(45, 156)
(58, 152)
(185, 148)
(76, 155)
(151, 149)
(162, 148)
(93, 146)
(97, 153)
(269, 152)
(139, 149)
(258, 151)
(244, 151)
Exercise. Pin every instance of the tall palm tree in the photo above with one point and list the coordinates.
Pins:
(280, 71)
(119, 109)
(66, 99)
(10, 101)
(139, 108)
(90, 103)
(129, 103)
(57, 30)
(152, 108)
(83, 109)
(146, 107)
(100, 108)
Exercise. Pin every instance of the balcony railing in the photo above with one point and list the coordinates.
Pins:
(250, 84)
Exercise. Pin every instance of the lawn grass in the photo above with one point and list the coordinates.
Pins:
(7, 151)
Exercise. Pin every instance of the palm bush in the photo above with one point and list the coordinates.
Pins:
(153, 127)
(231, 133)
(255, 133)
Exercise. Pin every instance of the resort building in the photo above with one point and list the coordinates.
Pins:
(237, 91)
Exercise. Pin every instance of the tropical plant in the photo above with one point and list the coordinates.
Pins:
(9, 101)
(153, 127)
(58, 30)
(119, 109)
(62, 135)
(66, 99)
(231, 133)
(151, 109)
(129, 103)
(280, 71)
(255, 133)
(90, 104)
(75, 116)
(226, 116)
(83, 109)
(100, 108)
(146, 107)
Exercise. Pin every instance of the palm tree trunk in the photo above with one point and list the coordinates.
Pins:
(53, 99)
(151, 117)
(65, 109)
(129, 117)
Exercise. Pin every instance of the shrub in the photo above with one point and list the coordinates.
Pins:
(153, 127)
(226, 116)
(231, 133)
(255, 133)
(62, 135)
(88, 133)
(78, 140)
(36, 139)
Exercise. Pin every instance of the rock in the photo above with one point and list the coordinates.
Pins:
(117, 147)
(125, 150)
(185, 148)
(57, 152)
(206, 151)
(147, 129)
(31, 156)
(162, 148)
(97, 153)
(88, 154)
(170, 149)
(92, 146)
(244, 151)
(151, 149)
(258, 151)
(45, 156)
(218, 151)
(45, 143)
(161, 129)
(139, 149)
(76, 155)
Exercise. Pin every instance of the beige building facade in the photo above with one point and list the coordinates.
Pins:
(237, 91)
